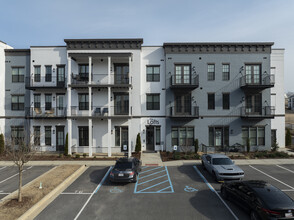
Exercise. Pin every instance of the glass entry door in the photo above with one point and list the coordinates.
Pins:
(124, 138)
(60, 110)
(59, 138)
(60, 76)
(150, 138)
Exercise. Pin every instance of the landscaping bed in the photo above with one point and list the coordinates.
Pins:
(168, 156)
(12, 209)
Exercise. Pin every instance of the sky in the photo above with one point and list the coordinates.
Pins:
(48, 22)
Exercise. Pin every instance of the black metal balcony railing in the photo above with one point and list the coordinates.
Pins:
(100, 111)
(257, 80)
(43, 112)
(47, 81)
(101, 79)
(184, 81)
(184, 111)
(258, 111)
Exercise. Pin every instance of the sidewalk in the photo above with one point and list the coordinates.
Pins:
(151, 159)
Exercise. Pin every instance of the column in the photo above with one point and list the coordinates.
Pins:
(69, 121)
(90, 70)
(109, 137)
(109, 108)
(130, 89)
(109, 70)
(90, 110)
(129, 139)
(90, 138)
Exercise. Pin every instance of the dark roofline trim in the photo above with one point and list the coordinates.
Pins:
(3, 42)
(17, 52)
(45, 46)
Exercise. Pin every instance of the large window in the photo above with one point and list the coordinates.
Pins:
(226, 101)
(182, 74)
(226, 72)
(48, 73)
(37, 77)
(210, 72)
(153, 101)
(253, 73)
(211, 101)
(121, 136)
(37, 100)
(48, 101)
(153, 74)
(121, 73)
(218, 136)
(18, 74)
(83, 101)
(84, 136)
(121, 101)
(17, 134)
(48, 135)
(84, 71)
(37, 134)
(183, 104)
(182, 136)
(256, 136)
(17, 102)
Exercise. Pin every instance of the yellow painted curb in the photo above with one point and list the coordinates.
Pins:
(43, 203)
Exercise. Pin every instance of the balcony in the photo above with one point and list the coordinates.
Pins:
(257, 82)
(51, 113)
(258, 112)
(44, 82)
(184, 82)
(101, 81)
(101, 112)
(184, 112)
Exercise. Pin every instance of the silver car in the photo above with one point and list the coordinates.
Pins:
(221, 167)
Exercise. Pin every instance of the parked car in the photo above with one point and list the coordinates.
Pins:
(261, 199)
(125, 170)
(221, 167)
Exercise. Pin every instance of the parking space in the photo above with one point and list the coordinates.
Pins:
(183, 192)
(9, 177)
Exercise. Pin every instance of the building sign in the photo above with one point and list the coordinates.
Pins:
(152, 122)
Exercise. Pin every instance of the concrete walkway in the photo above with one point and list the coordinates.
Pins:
(151, 159)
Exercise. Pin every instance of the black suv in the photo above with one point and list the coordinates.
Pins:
(125, 170)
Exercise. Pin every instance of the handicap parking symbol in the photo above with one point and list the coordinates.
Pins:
(190, 189)
(116, 190)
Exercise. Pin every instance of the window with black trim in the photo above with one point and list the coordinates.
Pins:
(17, 134)
(37, 100)
(37, 134)
(210, 72)
(153, 101)
(256, 135)
(18, 74)
(84, 136)
(48, 135)
(48, 101)
(182, 136)
(84, 71)
(226, 101)
(84, 101)
(17, 102)
(121, 102)
(182, 74)
(153, 73)
(211, 101)
(37, 72)
(226, 72)
(48, 73)
(218, 136)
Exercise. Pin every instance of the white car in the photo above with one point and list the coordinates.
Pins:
(221, 167)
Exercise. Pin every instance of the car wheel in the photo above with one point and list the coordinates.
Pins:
(224, 193)
(203, 165)
(135, 179)
(254, 215)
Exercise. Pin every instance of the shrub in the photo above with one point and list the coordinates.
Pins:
(177, 156)
(77, 156)
(66, 145)
(196, 145)
(197, 156)
(84, 155)
(2, 147)
(248, 145)
(288, 137)
(138, 143)
(186, 157)
(275, 145)
(167, 153)
(95, 157)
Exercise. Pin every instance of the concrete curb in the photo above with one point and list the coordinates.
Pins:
(62, 162)
(14, 194)
(43, 203)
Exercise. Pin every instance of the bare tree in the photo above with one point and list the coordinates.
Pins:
(20, 150)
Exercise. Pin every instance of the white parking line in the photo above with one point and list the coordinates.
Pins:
(73, 193)
(213, 190)
(271, 177)
(10, 177)
(285, 168)
(288, 190)
(2, 168)
(95, 190)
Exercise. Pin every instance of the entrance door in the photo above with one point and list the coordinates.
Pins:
(60, 76)
(218, 137)
(121, 73)
(124, 137)
(60, 105)
(59, 138)
(149, 138)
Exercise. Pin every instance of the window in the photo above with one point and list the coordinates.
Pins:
(218, 136)
(117, 136)
(182, 74)
(48, 74)
(84, 71)
(84, 136)
(37, 77)
(210, 72)
(60, 75)
(121, 136)
(226, 100)
(17, 102)
(37, 100)
(153, 101)
(226, 72)
(182, 136)
(48, 101)
(253, 104)
(153, 74)
(37, 134)
(121, 104)
(211, 101)
(48, 135)
(17, 134)
(83, 101)
(253, 74)
(121, 73)
(18, 74)
(183, 104)
(256, 136)
(157, 135)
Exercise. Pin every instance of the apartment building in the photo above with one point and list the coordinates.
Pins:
(103, 92)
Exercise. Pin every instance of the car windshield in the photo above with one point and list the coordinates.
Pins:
(222, 161)
(123, 165)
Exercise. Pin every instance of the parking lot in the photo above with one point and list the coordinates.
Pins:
(9, 177)
(184, 192)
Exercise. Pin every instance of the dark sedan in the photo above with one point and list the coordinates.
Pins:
(125, 170)
(261, 199)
